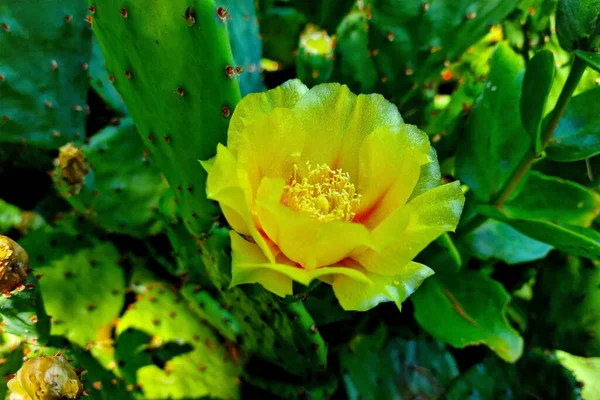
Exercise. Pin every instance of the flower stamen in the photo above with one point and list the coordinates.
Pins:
(324, 193)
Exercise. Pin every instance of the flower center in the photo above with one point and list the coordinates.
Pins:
(324, 193)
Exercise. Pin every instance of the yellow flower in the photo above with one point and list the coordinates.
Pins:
(46, 378)
(324, 184)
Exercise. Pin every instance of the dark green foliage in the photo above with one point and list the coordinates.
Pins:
(564, 306)
(577, 136)
(577, 24)
(181, 109)
(538, 375)
(377, 367)
(280, 29)
(45, 49)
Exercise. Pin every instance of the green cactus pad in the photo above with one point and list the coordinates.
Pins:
(12, 356)
(172, 64)
(295, 391)
(23, 314)
(45, 48)
(195, 365)
(83, 284)
(100, 81)
(280, 333)
(242, 25)
(123, 193)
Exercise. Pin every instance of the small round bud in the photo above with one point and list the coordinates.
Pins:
(14, 264)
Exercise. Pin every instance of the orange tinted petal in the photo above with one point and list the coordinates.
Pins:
(390, 162)
(408, 230)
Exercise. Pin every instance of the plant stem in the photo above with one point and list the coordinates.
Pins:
(529, 158)
(549, 127)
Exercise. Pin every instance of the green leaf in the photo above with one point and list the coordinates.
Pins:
(495, 139)
(591, 59)
(467, 308)
(586, 370)
(537, 84)
(577, 135)
(577, 23)
(538, 375)
(571, 239)
(553, 199)
(375, 368)
(445, 241)
(564, 309)
(496, 240)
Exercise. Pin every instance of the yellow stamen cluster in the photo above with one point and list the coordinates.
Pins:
(324, 193)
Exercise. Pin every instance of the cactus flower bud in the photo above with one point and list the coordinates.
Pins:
(45, 378)
(14, 264)
(72, 165)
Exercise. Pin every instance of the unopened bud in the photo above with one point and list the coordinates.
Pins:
(14, 264)
(72, 165)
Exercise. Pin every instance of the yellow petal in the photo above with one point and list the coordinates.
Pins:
(226, 185)
(257, 105)
(408, 230)
(270, 146)
(250, 265)
(390, 162)
(301, 237)
(339, 121)
(430, 175)
(354, 295)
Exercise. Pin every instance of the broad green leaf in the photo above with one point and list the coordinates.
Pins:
(537, 84)
(497, 240)
(586, 370)
(553, 199)
(577, 22)
(495, 139)
(564, 309)
(571, 239)
(591, 59)
(375, 367)
(467, 308)
(585, 172)
(577, 135)
(537, 375)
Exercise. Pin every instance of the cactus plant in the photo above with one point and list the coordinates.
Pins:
(294, 284)
(116, 183)
(44, 92)
(159, 317)
(182, 109)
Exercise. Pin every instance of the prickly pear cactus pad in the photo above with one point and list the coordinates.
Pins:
(84, 284)
(182, 109)
(45, 49)
(122, 192)
(194, 362)
(329, 207)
